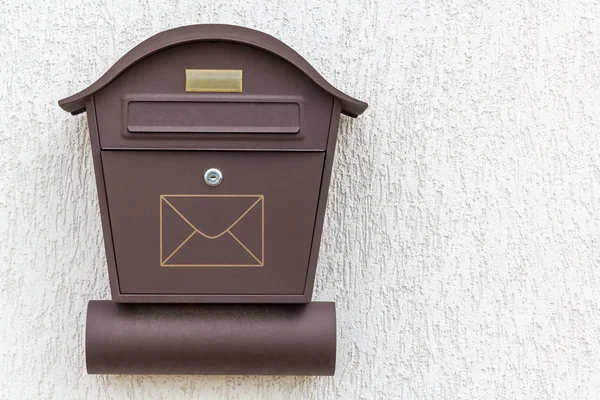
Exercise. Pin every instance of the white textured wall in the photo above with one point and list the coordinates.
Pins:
(462, 234)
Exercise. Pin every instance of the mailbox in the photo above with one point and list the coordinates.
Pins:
(213, 148)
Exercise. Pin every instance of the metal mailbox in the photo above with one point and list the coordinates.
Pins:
(213, 148)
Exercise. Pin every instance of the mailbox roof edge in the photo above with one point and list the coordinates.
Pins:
(75, 104)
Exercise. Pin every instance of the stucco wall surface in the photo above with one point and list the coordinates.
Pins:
(461, 239)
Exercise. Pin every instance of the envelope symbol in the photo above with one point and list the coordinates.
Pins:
(201, 230)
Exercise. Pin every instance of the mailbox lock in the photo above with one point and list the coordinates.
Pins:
(213, 177)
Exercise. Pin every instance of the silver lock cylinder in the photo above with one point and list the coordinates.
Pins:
(213, 177)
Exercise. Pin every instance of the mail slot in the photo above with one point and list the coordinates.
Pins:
(219, 115)
(213, 148)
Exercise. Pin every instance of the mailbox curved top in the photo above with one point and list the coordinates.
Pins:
(75, 104)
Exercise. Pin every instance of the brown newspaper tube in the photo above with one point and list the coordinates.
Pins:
(207, 339)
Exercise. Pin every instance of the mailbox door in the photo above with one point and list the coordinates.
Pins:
(175, 234)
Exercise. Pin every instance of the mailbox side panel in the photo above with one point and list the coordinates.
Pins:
(322, 206)
(102, 199)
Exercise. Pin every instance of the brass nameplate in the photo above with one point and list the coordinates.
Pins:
(213, 80)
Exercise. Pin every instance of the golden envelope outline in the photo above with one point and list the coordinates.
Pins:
(164, 258)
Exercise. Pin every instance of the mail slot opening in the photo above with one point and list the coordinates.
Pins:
(213, 115)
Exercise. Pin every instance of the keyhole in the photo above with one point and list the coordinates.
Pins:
(213, 177)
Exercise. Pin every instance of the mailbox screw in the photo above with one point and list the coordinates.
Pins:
(213, 177)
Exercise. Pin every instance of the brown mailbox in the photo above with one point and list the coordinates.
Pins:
(213, 148)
